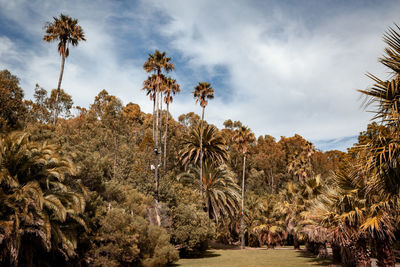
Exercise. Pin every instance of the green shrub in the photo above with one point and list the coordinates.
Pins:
(191, 229)
(125, 236)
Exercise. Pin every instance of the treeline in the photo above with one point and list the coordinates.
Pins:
(115, 186)
(94, 202)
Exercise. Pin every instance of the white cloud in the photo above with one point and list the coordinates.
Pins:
(285, 73)
(286, 77)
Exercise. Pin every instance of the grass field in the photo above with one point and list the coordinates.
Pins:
(254, 257)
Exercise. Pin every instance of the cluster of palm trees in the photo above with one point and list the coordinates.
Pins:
(39, 211)
(156, 86)
(358, 209)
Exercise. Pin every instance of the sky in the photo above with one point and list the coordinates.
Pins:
(280, 67)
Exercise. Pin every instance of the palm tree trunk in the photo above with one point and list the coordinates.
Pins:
(160, 128)
(384, 253)
(165, 138)
(156, 149)
(335, 252)
(242, 213)
(362, 253)
(58, 89)
(201, 152)
(154, 116)
(296, 243)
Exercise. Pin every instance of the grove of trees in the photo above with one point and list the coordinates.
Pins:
(114, 186)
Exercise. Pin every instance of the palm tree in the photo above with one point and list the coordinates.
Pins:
(210, 140)
(171, 88)
(36, 203)
(157, 63)
(150, 85)
(243, 136)
(221, 193)
(202, 93)
(67, 32)
(383, 151)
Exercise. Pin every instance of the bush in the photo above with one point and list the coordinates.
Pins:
(191, 229)
(125, 236)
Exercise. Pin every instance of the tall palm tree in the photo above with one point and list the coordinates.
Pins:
(171, 88)
(36, 203)
(210, 140)
(67, 32)
(150, 85)
(202, 93)
(243, 136)
(158, 63)
(221, 193)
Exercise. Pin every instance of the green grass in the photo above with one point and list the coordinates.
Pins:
(254, 257)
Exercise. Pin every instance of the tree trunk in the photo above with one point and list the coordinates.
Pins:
(335, 252)
(58, 89)
(384, 253)
(160, 129)
(296, 242)
(154, 115)
(201, 152)
(362, 254)
(242, 213)
(322, 251)
(165, 138)
(156, 148)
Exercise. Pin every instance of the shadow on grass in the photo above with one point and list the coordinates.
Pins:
(206, 254)
(313, 259)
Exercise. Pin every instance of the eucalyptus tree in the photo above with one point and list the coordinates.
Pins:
(67, 32)
(11, 102)
(243, 137)
(202, 93)
(158, 63)
(170, 88)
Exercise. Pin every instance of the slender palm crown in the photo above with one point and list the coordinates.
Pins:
(66, 31)
(170, 88)
(158, 62)
(150, 86)
(202, 92)
(242, 137)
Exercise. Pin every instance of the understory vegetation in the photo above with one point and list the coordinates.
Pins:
(114, 186)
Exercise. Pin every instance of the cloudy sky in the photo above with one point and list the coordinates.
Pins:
(280, 67)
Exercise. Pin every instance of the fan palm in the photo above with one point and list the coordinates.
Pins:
(296, 199)
(157, 63)
(383, 151)
(170, 88)
(263, 222)
(35, 201)
(67, 32)
(342, 209)
(202, 93)
(221, 193)
(208, 139)
(150, 85)
(243, 137)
